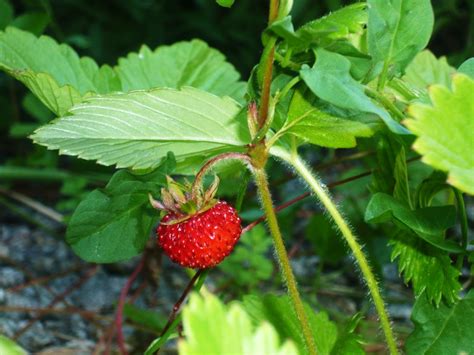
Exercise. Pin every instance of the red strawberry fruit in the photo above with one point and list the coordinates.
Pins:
(197, 231)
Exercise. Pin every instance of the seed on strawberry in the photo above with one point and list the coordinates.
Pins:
(204, 239)
(197, 230)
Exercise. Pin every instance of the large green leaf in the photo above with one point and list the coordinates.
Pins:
(445, 129)
(429, 223)
(212, 328)
(191, 63)
(309, 122)
(279, 312)
(429, 269)
(398, 30)
(330, 79)
(443, 329)
(113, 224)
(53, 72)
(137, 129)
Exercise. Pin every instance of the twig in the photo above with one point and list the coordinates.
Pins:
(121, 304)
(37, 206)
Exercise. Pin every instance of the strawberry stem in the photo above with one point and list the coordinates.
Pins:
(321, 192)
(267, 204)
(197, 184)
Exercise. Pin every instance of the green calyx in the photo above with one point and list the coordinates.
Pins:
(179, 200)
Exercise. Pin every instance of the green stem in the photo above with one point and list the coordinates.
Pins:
(351, 239)
(464, 227)
(385, 102)
(267, 204)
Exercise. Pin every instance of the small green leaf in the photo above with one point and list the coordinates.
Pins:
(443, 329)
(225, 3)
(145, 317)
(34, 22)
(114, 224)
(429, 269)
(307, 120)
(467, 68)
(398, 30)
(330, 80)
(138, 129)
(212, 328)
(191, 63)
(445, 129)
(428, 223)
(9, 347)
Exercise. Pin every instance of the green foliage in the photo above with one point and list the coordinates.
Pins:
(278, 311)
(6, 13)
(113, 224)
(181, 64)
(444, 329)
(145, 317)
(445, 129)
(212, 328)
(9, 347)
(308, 120)
(467, 68)
(331, 80)
(225, 3)
(248, 265)
(137, 129)
(397, 31)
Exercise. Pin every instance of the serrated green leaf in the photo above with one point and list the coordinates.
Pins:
(212, 328)
(9, 347)
(53, 72)
(467, 68)
(330, 80)
(114, 224)
(309, 122)
(428, 223)
(191, 63)
(279, 312)
(429, 269)
(137, 129)
(445, 129)
(398, 30)
(443, 329)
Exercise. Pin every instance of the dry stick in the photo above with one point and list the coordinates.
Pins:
(180, 301)
(58, 299)
(121, 304)
(37, 206)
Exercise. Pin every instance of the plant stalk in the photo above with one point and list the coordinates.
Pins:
(267, 204)
(320, 191)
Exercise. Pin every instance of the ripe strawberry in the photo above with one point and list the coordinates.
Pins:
(197, 231)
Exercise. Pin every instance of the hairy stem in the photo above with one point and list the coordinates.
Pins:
(210, 164)
(267, 204)
(323, 195)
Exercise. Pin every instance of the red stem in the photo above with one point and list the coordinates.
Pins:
(121, 305)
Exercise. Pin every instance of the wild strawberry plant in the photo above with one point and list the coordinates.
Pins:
(357, 78)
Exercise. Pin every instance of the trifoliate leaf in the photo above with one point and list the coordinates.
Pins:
(444, 131)
(212, 328)
(137, 129)
(430, 270)
(442, 329)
